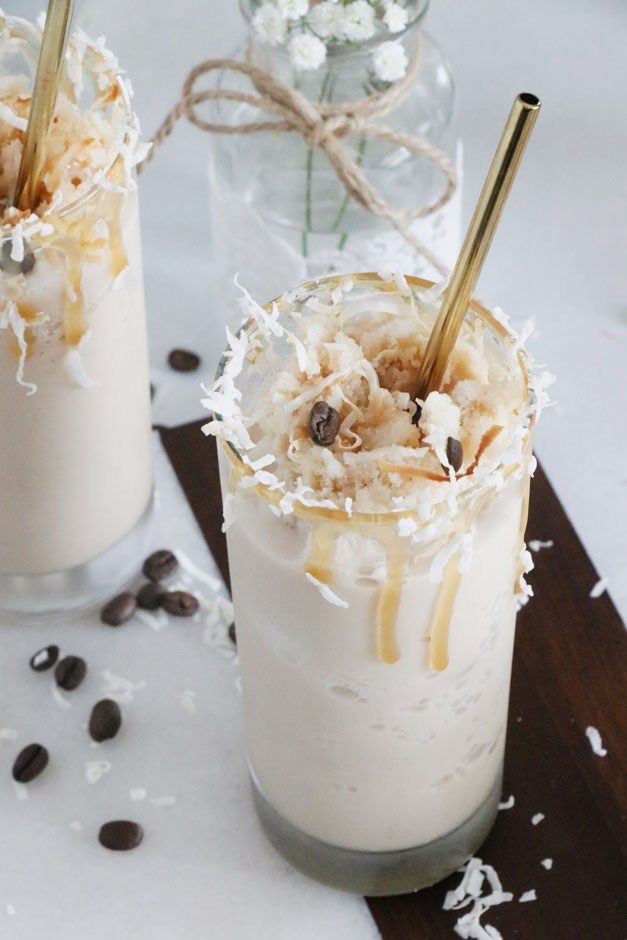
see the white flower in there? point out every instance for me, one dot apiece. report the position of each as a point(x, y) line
point(269, 24)
point(326, 19)
point(358, 21)
point(307, 52)
point(395, 18)
point(390, 61)
point(293, 9)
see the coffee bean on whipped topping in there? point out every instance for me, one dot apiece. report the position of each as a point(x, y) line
point(29, 763)
point(324, 424)
point(105, 720)
point(70, 672)
point(160, 564)
point(9, 266)
point(149, 596)
point(120, 835)
point(416, 418)
point(454, 453)
point(120, 609)
point(183, 360)
point(179, 603)
point(44, 658)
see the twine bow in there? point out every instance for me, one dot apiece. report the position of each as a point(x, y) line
point(324, 126)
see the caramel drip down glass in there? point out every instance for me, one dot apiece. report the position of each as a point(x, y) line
point(375, 731)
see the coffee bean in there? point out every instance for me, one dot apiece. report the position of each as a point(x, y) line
point(454, 453)
point(44, 658)
point(105, 720)
point(70, 672)
point(119, 609)
point(120, 835)
point(324, 424)
point(179, 603)
point(232, 635)
point(29, 763)
point(183, 360)
point(9, 266)
point(416, 418)
point(160, 564)
point(149, 596)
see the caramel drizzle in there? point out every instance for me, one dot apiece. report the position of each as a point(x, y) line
point(408, 470)
point(388, 650)
point(441, 623)
point(324, 542)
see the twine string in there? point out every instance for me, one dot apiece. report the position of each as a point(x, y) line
point(322, 126)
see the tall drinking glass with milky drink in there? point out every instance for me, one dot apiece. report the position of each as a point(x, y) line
point(75, 461)
point(377, 559)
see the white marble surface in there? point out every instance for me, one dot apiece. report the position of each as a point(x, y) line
point(204, 869)
point(559, 257)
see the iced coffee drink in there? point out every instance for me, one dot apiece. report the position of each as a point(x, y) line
point(75, 462)
point(377, 556)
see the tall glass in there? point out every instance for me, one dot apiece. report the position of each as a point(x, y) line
point(375, 724)
point(75, 459)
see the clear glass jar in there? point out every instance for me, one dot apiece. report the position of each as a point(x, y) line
point(375, 717)
point(75, 459)
point(273, 190)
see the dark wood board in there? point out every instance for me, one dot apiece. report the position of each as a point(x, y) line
point(570, 671)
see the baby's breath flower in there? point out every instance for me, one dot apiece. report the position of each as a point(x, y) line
point(307, 52)
point(358, 21)
point(390, 61)
point(269, 24)
point(395, 17)
point(326, 19)
point(293, 9)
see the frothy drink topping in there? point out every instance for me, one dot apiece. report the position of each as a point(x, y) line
point(322, 407)
point(59, 256)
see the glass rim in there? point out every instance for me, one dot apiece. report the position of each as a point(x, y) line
point(347, 48)
point(94, 191)
point(338, 514)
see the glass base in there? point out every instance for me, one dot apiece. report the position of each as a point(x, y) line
point(44, 597)
point(378, 873)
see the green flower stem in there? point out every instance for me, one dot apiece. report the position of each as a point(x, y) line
point(361, 152)
point(326, 92)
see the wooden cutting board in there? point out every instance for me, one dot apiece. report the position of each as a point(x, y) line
point(570, 671)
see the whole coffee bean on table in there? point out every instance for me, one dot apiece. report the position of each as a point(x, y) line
point(120, 835)
point(160, 564)
point(120, 609)
point(44, 658)
point(105, 720)
point(70, 672)
point(183, 360)
point(179, 603)
point(149, 596)
point(29, 763)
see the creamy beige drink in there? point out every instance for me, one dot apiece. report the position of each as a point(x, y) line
point(75, 463)
point(377, 557)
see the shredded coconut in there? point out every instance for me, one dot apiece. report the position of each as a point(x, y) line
point(595, 741)
point(536, 545)
point(326, 592)
point(547, 863)
point(528, 896)
point(535, 820)
point(508, 804)
point(600, 587)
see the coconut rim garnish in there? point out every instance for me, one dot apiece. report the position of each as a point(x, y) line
point(230, 425)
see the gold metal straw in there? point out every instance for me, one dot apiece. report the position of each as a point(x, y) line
point(478, 239)
point(47, 80)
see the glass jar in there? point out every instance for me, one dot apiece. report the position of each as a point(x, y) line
point(375, 706)
point(75, 460)
point(278, 201)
